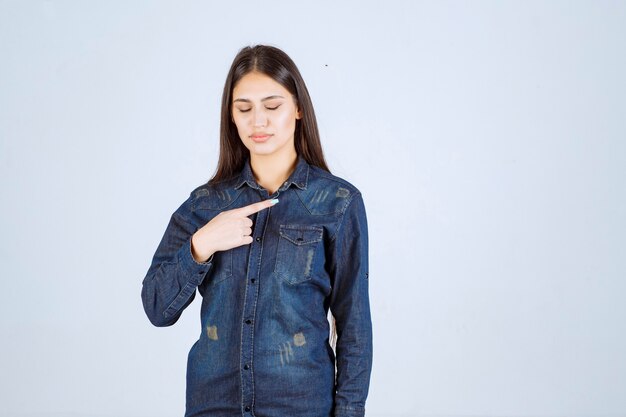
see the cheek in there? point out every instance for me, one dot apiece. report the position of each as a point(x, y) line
point(240, 123)
point(286, 120)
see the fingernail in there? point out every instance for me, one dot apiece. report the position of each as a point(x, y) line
point(274, 201)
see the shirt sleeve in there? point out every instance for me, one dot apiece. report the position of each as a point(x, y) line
point(173, 276)
point(349, 305)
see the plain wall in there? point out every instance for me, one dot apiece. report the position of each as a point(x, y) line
point(487, 137)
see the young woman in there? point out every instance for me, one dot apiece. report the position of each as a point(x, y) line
point(271, 242)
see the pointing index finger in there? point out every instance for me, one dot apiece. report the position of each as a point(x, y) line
point(256, 207)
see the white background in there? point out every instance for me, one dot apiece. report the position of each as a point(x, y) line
point(488, 139)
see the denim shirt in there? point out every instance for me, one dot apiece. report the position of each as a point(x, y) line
point(263, 349)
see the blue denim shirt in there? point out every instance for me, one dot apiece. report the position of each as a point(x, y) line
point(263, 349)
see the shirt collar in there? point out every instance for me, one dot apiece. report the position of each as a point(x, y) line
point(299, 177)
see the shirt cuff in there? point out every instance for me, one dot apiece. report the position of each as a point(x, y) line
point(193, 274)
point(193, 269)
point(349, 412)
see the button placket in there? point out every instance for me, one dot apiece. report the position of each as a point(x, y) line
point(249, 310)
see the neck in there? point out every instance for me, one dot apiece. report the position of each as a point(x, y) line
point(270, 171)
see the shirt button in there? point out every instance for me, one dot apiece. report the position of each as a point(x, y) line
point(252, 280)
point(248, 321)
point(247, 408)
point(246, 366)
point(258, 239)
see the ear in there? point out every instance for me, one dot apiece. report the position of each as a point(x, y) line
point(298, 115)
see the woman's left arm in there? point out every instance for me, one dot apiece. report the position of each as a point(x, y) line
point(349, 305)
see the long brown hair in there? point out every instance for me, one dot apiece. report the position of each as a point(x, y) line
point(276, 64)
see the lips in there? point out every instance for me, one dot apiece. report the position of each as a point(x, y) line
point(260, 137)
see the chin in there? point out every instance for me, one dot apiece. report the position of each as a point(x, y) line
point(261, 150)
point(265, 149)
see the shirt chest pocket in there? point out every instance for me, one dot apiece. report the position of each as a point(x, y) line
point(295, 255)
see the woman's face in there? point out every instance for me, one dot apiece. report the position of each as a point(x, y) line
point(265, 115)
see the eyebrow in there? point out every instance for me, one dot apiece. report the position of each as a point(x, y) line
point(245, 100)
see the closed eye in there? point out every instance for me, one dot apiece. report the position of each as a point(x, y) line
point(268, 108)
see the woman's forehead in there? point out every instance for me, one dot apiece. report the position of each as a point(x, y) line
point(257, 86)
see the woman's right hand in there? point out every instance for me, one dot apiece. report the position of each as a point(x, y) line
point(227, 230)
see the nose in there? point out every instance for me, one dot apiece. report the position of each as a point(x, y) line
point(260, 118)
